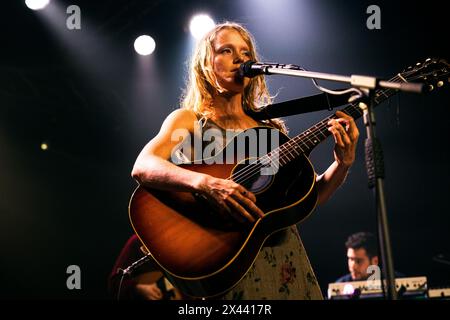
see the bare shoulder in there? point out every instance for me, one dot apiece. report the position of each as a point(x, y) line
point(177, 125)
point(179, 119)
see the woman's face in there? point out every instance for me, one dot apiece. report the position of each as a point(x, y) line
point(230, 51)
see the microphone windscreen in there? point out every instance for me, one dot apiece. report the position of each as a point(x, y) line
point(245, 69)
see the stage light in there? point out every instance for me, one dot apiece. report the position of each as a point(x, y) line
point(44, 146)
point(144, 45)
point(200, 25)
point(349, 289)
point(37, 4)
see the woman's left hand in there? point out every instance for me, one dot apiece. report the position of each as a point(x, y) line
point(345, 133)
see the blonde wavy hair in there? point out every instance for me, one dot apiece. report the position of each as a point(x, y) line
point(202, 83)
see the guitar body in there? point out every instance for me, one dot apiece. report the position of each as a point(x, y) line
point(198, 251)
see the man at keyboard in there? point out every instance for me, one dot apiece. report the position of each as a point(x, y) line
point(362, 252)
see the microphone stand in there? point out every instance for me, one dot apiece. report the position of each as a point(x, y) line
point(374, 154)
point(375, 172)
point(356, 81)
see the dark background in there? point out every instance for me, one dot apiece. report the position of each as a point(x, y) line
point(96, 103)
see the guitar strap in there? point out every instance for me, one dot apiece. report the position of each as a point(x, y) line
point(318, 102)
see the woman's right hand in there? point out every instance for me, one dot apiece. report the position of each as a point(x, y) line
point(230, 198)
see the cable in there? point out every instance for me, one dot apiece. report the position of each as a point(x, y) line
point(121, 282)
point(323, 89)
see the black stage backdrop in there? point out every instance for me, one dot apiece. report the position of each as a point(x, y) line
point(96, 103)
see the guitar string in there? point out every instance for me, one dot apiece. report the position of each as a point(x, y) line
point(248, 172)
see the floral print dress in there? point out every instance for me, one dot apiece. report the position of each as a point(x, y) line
point(281, 272)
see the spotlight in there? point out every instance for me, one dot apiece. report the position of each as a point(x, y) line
point(200, 25)
point(37, 4)
point(44, 146)
point(144, 45)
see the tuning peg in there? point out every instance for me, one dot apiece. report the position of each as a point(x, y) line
point(430, 87)
point(440, 84)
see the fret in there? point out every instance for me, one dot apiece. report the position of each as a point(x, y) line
point(401, 77)
point(307, 136)
point(292, 148)
point(295, 149)
point(286, 154)
point(300, 147)
point(384, 93)
point(376, 100)
point(322, 133)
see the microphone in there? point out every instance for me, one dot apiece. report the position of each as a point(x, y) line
point(251, 69)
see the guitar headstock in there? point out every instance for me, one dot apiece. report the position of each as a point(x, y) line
point(434, 73)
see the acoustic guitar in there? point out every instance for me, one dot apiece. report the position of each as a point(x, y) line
point(202, 255)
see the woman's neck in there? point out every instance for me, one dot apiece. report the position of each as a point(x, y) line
point(228, 106)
